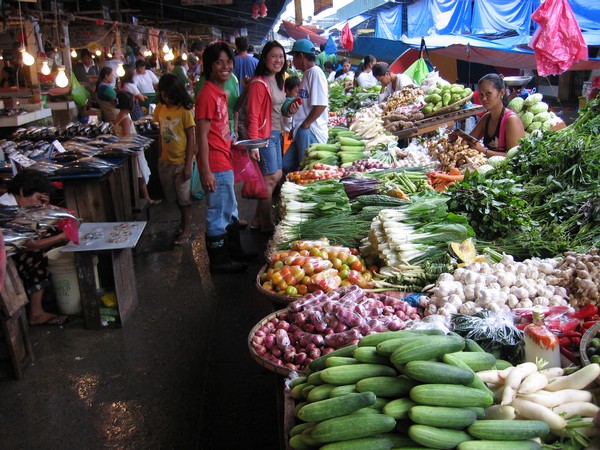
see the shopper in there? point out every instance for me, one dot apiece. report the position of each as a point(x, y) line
point(245, 64)
point(128, 86)
point(346, 72)
point(32, 188)
point(364, 74)
point(178, 148)
point(500, 128)
point(390, 82)
point(310, 122)
point(106, 94)
point(145, 81)
point(214, 159)
point(180, 70)
point(266, 97)
point(329, 71)
point(197, 50)
point(123, 127)
point(86, 71)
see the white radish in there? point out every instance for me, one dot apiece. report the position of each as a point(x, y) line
point(568, 410)
point(490, 376)
point(534, 411)
point(552, 399)
point(533, 383)
point(577, 380)
point(514, 379)
point(498, 412)
point(553, 372)
point(499, 392)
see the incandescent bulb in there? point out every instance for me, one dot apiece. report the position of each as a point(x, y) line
point(73, 53)
point(45, 68)
point(28, 60)
point(169, 56)
point(166, 48)
point(98, 52)
point(61, 79)
point(120, 70)
point(184, 56)
point(109, 55)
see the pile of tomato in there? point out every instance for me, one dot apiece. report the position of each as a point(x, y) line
point(318, 172)
point(310, 266)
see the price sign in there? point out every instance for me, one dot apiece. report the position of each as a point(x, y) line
point(58, 146)
point(22, 160)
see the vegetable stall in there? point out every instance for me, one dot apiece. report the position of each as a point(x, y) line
point(416, 282)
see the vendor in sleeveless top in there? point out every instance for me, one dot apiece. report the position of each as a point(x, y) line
point(500, 128)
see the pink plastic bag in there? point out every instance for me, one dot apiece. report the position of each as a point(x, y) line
point(558, 42)
point(255, 187)
point(243, 169)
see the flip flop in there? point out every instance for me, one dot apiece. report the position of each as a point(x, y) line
point(154, 202)
point(183, 240)
point(53, 321)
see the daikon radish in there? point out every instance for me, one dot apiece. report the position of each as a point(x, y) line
point(533, 383)
point(552, 399)
point(553, 372)
point(514, 379)
point(577, 380)
point(534, 411)
point(498, 412)
point(568, 410)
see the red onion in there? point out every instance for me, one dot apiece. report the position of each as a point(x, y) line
point(270, 326)
point(269, 341)
point(276, 352)
point(314, 353)
point(300, 358)
point(318, 340)
point(311, 345)
point(283, 325)
point(260, 332)
point(291, 366)
point(289, 355)
point(260, 349)
point(257, 339)
point(340, 327)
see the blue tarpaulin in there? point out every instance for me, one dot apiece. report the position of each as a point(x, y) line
point(389, 23)
point(419, 19)
point(587, 14)
point(330, 48)
point(450, 16)
point(499, 16)
point(381, 49)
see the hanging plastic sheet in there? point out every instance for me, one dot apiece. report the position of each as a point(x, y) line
point(347, 40)
point(389, 24)
point(451, 16)
point(558, 42)
point(499, 16)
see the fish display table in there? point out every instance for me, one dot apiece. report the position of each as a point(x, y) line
point(109, 245)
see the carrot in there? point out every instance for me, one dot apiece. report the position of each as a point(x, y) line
point(454, 171)
point(445, 176)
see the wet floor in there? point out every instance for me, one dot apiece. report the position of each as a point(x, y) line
point(177, 375)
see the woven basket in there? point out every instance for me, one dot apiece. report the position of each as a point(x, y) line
point(281, 299)
point(589, 334)
point(269, 365)
point(453, 107)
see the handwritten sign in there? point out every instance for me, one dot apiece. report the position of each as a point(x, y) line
point(58, 146)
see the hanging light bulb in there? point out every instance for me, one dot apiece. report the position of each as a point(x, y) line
point(147, 53)
point(28, 60)
point(98, 52)
point(184, 56)
point(166, 48)
point(120, 70)
point(74, 53)
point(61, 78)
point(109, 55)
point(45, 68)
point(169, 56)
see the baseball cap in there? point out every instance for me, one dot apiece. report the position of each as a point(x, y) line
point(302, 46)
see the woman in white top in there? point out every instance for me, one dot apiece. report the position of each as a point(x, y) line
point(128, 86)
point(390, 81)
point(364, 76)
point(122, 127)
point(345, 73)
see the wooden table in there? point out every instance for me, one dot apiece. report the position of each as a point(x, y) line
point(432, 123)
point(113, 240)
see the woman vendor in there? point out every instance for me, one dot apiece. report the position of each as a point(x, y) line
point(499, 129)
point(32, 188)
point(390, 82)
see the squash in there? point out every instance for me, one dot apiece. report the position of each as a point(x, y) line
point(464, 251)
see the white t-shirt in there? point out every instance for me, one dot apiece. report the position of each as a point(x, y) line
point(131, 88)
point(145, 82)
point(346, 76)
point(331, 76)
point(366, 79)
point(401, 81)
point(314, 91)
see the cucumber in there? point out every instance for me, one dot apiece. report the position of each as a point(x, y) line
point(499, 445)
point(355, 372)
point(476, 361)
point(315, 379)
point(501, 364)
point(368, 443)
point(298, 407)
point(319, 363)
point(476, 383)
point(386, 348)
point(338, 391)
point(306, 390)
point(380, 403)
point(442, 416)
point(479, 412)
point(307, 438)
point(296, 381)
point(452, 395)
point(297, 443)
point(320, 392)
point(367, 410)
point(335, 407)
point(369, 355)
point(425, 349)
point(352, 427)
point(373, 339)
point(300, 428)
point(438, 372)
point(508, 430)
point(398, 408)
point(389, 387)
point(296, 392)
point(399, 440)
point(340, 361)
point(433, 437)
point(472, 346)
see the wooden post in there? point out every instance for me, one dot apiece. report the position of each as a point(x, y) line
point(298, 12)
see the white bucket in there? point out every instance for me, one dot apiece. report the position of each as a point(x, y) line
point(63, 274)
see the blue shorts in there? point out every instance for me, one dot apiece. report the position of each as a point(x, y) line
point(270, 156)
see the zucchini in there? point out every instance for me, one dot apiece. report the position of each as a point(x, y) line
point(438, 372)
point(320, 392)
point(338, 391)
point(297, 443)
point(476, 361)
point(386, 348)
point(352, 427)
point(433, 437)
point(398, 408)
point(315, 379)
point(389, 387)
point(296, 381)
point(508, 430)
point(452, 395)
point(476, 383)
point(424, 349)
point(335, 407)
point(499, 445)
point(340, 361)
point(319, 363)
point(368, 443)
point(442, 416)
point(369, 355)
point(355, 372)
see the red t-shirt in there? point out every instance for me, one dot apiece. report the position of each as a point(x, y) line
point(211, 104)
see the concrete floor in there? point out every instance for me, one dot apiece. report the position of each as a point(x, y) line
point(177, 375)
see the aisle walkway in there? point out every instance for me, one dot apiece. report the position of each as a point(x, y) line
point(178, 375)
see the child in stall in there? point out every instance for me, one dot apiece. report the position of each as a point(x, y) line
point(292, 87)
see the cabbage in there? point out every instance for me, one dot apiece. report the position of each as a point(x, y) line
point(527, 118)
point(538, 108)
point(495, 161)
point(516, 104)
point(534, 126)
point(512, 152)
point(541, 117)
point(532, 100)
point(547, 125)
point(485, 169)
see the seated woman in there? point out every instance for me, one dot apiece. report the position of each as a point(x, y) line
point(499, 128)
point(32, 188)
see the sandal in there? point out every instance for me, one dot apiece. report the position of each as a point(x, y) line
point(183, 240)
point(52, 321)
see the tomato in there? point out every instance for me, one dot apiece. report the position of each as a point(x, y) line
point(332, 255)
point(309, 269)
point(282, 286)
point(289, 260)
point(344, 267)
point(368, 276)
point(344, 274)
point(346, 283)
point(290, 280)
point(305, 280)
point(291, 290)
point(315, 251)
point(324, 255)
point(304, 252)
point(297, 272)
point(278, 265)
point(343, 256)
point(263, 276)
point(276, 278)
point(302, 289)
point(357, 265)
point(285, 271)
point(337, 263)
point(267, 286)
point(351, 259)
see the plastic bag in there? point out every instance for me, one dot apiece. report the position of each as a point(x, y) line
point(79, 93)
point(196, 185)
point(418, 70)
point(255, 188)
point(243, 169)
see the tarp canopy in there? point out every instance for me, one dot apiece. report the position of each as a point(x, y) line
point(353, 22)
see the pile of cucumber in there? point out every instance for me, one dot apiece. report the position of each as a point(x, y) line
point(404, 389)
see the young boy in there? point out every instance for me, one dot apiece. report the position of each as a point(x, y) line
point(214, 161)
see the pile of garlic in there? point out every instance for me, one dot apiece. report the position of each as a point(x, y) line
point(506, 285)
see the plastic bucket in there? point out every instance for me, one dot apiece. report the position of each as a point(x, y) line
point(63, 274)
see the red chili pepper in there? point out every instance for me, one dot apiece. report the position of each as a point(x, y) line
point(569, 326)
point(585, 325)
point(569, 355)
point(573, 334)
point(521, 326)
point(576, 342)
point(587, 311)
point(564, 341)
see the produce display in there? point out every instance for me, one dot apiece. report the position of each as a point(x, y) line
point(534, 113)
point(444, 95)
point(454, 155)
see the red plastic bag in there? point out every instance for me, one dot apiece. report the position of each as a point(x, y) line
point(347, 40)
point(243, 169)
point(255, 187)
point(558, 42)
